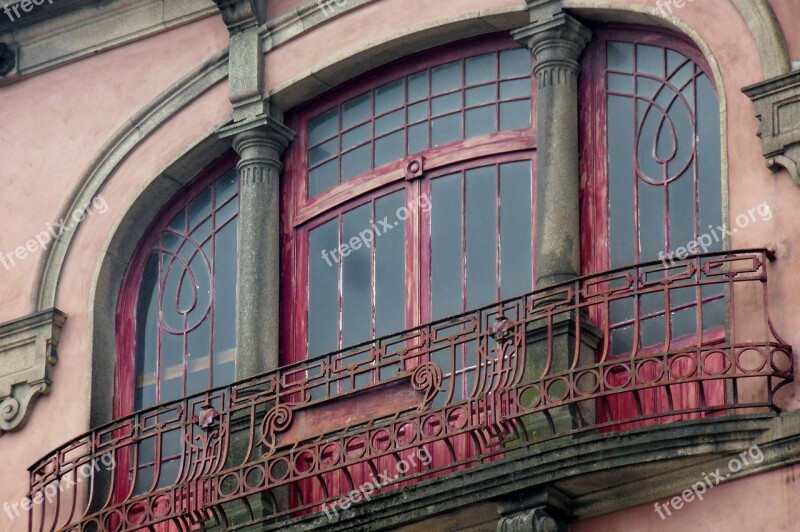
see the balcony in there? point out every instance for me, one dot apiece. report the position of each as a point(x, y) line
point(626, 351)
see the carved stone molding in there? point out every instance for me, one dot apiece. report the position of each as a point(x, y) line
point(246, 52)
point(240, 14)
point(27, 356)
point(777, 103)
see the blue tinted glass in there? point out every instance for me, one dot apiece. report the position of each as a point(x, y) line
point(323, 290)
point(446, 246)
point(515, 63)
point(323, 127)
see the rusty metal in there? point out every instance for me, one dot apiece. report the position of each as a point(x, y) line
point(243, 447)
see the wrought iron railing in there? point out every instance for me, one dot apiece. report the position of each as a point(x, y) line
point(646, 344)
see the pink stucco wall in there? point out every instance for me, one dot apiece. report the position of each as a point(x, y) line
point(787, 12)
point(55, 123)
point(761, 503)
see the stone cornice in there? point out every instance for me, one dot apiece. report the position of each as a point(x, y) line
point(41, 43)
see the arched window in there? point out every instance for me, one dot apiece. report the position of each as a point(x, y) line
point(652, 187)
point(409, 191)
point(177, 314)
point(410, 197)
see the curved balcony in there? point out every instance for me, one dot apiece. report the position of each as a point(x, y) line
point(645, 345)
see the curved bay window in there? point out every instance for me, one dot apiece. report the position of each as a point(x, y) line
point(410, 197)
point(177, 316)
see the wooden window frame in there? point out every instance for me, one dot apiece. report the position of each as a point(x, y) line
point(300, 213)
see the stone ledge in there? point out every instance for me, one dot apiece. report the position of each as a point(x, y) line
point(27, 356)
point(595, 474)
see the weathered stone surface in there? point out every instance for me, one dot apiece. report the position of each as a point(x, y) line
point(575, 478)
point(777, 103)
point(556, 41)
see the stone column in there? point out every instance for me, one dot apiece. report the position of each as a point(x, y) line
point(556, 41)
point(260, 144)
point(259, 136)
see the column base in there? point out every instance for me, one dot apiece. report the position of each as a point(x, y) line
point(557, 338)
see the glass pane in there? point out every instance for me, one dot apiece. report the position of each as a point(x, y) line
point(708, 158)
point(323, 178)
point(418, 138)
point(445, 104)
point(446, 129)
point(417, 86)
point(515, 115)
point(390, 148)
point(323, 288)
point(225, 267)
point(620, 83)
point(390, 96)
point(171, 366)
point(620, 56)
point(446, 77)
point(481, 121)
point(146, 333)
point(389, 122)
point(198, 359)
point(356, 136)
point(515, 63)
point(356, 276)
point(517, 88)
point(323, 152)
point(356, 110)
point(200, 209)
point(481, 68)
point(650, 60)
point(417, 112)
point(681, 203)
point(621, 181)
point(516, 231)
point(482, 94)
point(446, 246)
point(390, 266)
point(356, 162)
point(481, 236)
point(323, 127)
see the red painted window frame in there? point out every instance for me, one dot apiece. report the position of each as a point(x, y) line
point(125, 367)
point(593, 120)
point(297, 210)
point(595, 217)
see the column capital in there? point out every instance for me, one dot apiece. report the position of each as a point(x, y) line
point(559, 39)
point(259, 141)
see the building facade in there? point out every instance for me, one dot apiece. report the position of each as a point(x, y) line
point(399, 265)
